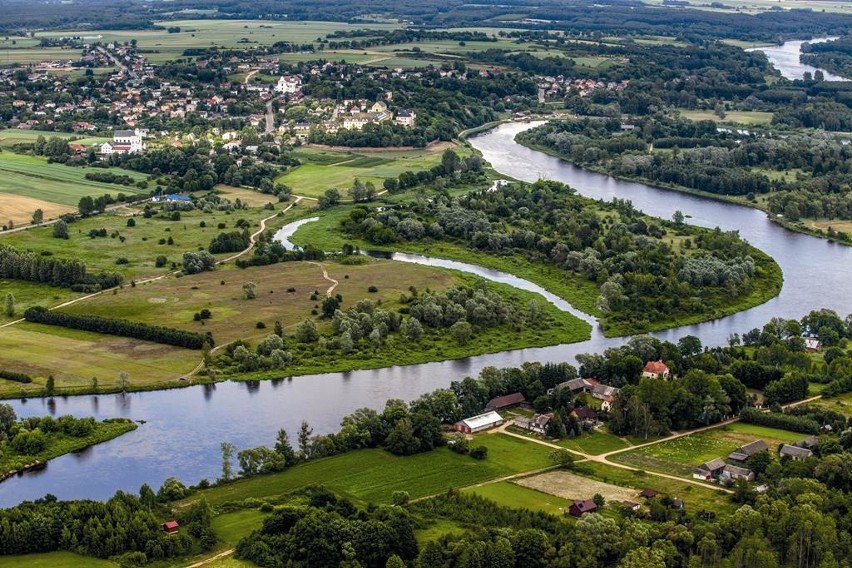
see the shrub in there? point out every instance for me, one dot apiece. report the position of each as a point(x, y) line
point(160, 261)
point(122, 260)
point(372, 289)
point(131, 222)
point(479, 452)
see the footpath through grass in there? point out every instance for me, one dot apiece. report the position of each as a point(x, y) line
point(371, 476)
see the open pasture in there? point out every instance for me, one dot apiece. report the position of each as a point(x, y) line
point(733, 117)
point(11, 137)
point(522, 494)
point(681, 455)
point(371, 476)
point(35, 55)
point(322, 169)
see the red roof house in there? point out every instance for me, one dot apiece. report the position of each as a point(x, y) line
point(655, 370)
point(579, 508)
point(171, 527)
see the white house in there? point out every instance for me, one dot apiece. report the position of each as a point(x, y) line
point(406, 118)
point(288, 84)
point(123, 142)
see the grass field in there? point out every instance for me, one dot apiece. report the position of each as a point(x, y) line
point(54, 560)
point(733, 117)
point(570, 486)
point(595, 443)
point(29, 183)
point(324, 169)
point(28, 294)
point(32, 55)
point(682, 455)
point(9, 138)
point(841, 403)
point(373, 475)
point(518, 495)
point(76, 357)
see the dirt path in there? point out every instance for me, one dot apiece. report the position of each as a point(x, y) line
point(212, 559)
point(250, 75)
point(327, 277)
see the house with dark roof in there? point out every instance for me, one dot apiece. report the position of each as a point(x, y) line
point(606, 394)
point(795, 452)
point(506, 401)
point(537, 424)
point(810, 442)
point(733, 472)
point(575, 386)
point(709, 470)
point(585, 414)
point(580, 508)
point(742, 453)
point(648, 493)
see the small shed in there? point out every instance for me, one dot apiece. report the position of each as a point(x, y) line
point(478, 423)
point(579, 508)
point(171, 527)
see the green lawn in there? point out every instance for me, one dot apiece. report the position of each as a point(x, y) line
point(231, 527)
point(508, 494)
point(682, 455)
point(54, 560)
point(733, 117)
point(11, 137)
point(436, 529)
point(596, 443)
point(371, 476)
point(28, 294)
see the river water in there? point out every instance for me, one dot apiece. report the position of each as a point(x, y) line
point(785, 58)
point(184, 428)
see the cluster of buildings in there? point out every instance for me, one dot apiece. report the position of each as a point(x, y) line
point(124, 142)
point(719, 470)
point(560, 86)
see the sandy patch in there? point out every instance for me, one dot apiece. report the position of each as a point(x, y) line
point(570, 486)
point(156, 300)
point(19, 209)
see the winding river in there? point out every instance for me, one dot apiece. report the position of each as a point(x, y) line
point(785, 58)
point(183, 428)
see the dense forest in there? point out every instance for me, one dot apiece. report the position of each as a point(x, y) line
point(648, 271)
point(803, 175)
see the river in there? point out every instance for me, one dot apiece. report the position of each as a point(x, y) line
point(785, 58)
point(184, 428)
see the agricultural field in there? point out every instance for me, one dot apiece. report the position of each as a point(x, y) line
point(680, 456)
point(76, 357)
point(523, 494)
point(570, 486)
point(10, 137)
point(732, 117)
point(323, 169)
point(758, 6)
point(29, 183)
point(371, 476)
point(35, 55)
point(694, 496)
point(841, 403)
point(54, 560)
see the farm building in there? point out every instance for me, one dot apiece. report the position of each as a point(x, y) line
point(171, 527)
point(633, 506)
point(810, 442)
point(606, 394)
point(742, 453)
point(655, 370)
point(507, 401)
point(709, 470)
point(479, 423)
point(538, 423)
point(795, 452)
point(171, 198)
point(575, 386)
point(732, 473)
point(579, 508)
point(648, 493)
point(585, 414)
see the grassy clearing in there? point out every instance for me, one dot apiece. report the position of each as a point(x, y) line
point(323, 169)
point(594, 444)
point(54, 560)
point(141, 245)
point(9, 138)
point(28, 294)
point(32, 55)
point(76, 357)
point(231, 527)
point(521, 496)
point(733, 117)
point(59, 444)
point(695, 496)
point(682, 455)
point(33, 177)
point(841, 403)
point(570, 486)
point(436, 529)
point(373, 475)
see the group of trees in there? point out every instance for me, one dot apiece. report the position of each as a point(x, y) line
point(235, 241)
point(641, 276)
point(17, 264)
point(124, 328)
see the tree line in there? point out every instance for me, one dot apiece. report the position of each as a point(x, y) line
point(124, 328)
point(17, 264)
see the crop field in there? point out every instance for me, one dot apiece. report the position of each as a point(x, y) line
point(32, 55)
point(141, 244)
point(682, 455)
point(76, 357)
point(33, 180)
point(323, 169)
point(757, 6)
point(694, 496)
point(523, 495)
point(733, 117)
point(373, 475)
point(11, 137)
point(173, 301)
point(570, 486)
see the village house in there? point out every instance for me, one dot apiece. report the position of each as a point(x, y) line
point(585, 414)
point(794, 452)
point(123, 142)
point(575, 386)
point(812, 344)
point(648, 493)
point(478, 423)
point(537, 424)
point(506, 401)
point(742, 453)
point(709, 470)
point(733, 472)
point(579, 508)
point(655, 370)
point(406, 118)
point(606, 394)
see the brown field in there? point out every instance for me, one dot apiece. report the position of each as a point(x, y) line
point(19, 209)
point(570, 486)
point(250, 196)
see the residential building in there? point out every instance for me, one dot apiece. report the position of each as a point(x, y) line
point(606, 394)
point(794, 452)
point(579, 508)
point(585, 414)
point(655, 370)
point(537, 424)
point(733, 472)
point(741, 454)
point(709, 470)
point(288, 84)
point(406, 118)
point(478, 423)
